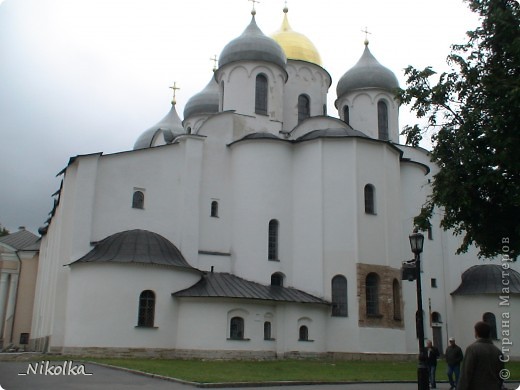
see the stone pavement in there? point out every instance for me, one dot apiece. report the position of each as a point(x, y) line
point(39, 378)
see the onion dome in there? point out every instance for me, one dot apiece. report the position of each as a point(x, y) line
point(295, 45)
point(204, 102)
point(367, 73)
point(170, 126)
point(253, 45)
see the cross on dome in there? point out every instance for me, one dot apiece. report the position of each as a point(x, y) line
point(214, 60)
point(253, 12)
point(366, 35)
point(174, 88)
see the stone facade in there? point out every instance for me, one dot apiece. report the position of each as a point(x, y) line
point(389, 316)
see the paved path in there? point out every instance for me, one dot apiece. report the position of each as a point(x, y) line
point(113, 379)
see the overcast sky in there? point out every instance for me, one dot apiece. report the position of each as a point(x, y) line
point(87, 76)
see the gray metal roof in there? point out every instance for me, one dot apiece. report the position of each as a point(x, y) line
point(225, 285)
point(22, 240)
point(332, 133)
point(169, 126)
point(135, 246)
point(367, 73)
point(488, 279)
point(253, 45)
point(204, 102)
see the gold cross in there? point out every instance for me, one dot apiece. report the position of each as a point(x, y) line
point(174, 88)
point(366, 34)
point(215, 60)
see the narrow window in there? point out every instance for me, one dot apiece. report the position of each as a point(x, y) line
point(273, 240)
point(277, 279)
point(346, 115)
point(138, 200)
point(370, 207)
point(324, 109)
point(221, 102)
point(434, 283)
point(430, 233)
point(236, 329)
point(490, 319)
point(397, 300)
point(303, 333)
point(214, 209)
point(267, 330)
point(304, 109)
point(382, 120)
point(339, 296)
point(261, 94)
point(146, 309)
point(436, 318)
point(372, 294)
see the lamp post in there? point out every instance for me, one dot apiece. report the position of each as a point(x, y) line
point(416, 243)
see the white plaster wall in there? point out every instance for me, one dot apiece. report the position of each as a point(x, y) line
point(304, 78)
point(239, 87)
point(363, 111)
point(104, 300)
point(469, 309)
point(261, 192)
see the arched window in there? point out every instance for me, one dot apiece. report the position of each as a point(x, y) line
point(236, 328)
point(146, 311)
point(490, 319)
point(138, 200)
point(273, 240)
point(214, 209)
point(370, 199)
point(267, 330)
point(261, 94)
point(397, 300)
point(303, 334)
point(304, 107)
point(277, 279)
point(436, 317)
point(221, 100)
point(372, 294)
point(346, 115)
point(324, 109)
point(339, 296)
point(382, 120)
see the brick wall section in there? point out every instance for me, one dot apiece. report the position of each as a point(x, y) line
point(387, 275)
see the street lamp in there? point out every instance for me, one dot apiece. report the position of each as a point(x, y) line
point(416, 243)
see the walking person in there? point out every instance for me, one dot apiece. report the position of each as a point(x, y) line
point(483, 361)
point(432, 354)
point(454, 357)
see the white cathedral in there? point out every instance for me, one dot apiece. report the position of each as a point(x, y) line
point(259, 226)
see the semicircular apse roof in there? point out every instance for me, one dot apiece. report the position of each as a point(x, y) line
point(487, 279)
point(135, 246)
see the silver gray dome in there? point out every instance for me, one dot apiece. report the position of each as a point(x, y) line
point(204, 102)
point(253, 45)
point(367, 73)
point(170, 126)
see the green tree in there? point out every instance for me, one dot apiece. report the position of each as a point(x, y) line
point(473, 112)
point(3, 231)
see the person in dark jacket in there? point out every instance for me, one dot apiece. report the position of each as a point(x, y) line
point(482, 364)
point(454, 357)
point(432, 354)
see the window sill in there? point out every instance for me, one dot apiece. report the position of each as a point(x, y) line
point(146, 327)
point(374, 316)
point(232, 339)
point(277, 260)
point(306, 341)
point(269, 339)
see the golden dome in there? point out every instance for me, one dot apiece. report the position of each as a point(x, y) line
point(295, 45)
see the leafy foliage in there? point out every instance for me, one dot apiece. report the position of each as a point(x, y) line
point(473, 112)
point(3, 231)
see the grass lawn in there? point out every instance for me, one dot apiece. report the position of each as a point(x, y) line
point(203, 371)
